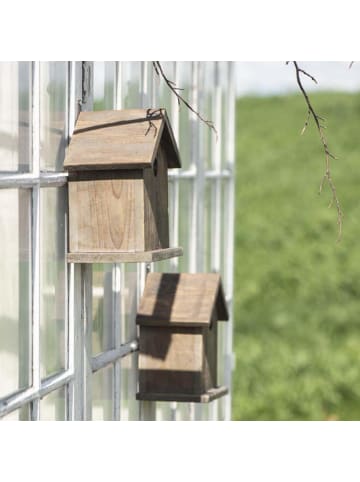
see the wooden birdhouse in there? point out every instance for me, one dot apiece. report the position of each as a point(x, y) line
point(178, 316)
point(118, 186)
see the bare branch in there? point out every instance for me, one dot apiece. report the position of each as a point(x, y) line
point(327, 175)
point(308, 75)
point(351, 64)
point(174, 89)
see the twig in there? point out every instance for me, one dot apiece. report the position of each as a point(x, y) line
point(327, 175)
point(174, 89)
point(149, 115)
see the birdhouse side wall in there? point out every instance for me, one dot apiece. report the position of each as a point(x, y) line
point(106, 211)
point(156, 204)
point(171, 360)
point(210, 356)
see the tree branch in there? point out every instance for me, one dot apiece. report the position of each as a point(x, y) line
point(327, 175)
point(174, 89)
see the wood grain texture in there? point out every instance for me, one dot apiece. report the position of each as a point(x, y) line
point(181, 299)
point(125, 257)
point(156, 214)
point(171, 360)
point(210, 356)
point(120, 139)
point(106, 215)
point(177, 359)
point(205, 397)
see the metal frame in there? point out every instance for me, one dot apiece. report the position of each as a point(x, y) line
point(81, 364)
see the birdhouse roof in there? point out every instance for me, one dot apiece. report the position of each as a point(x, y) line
point(119, 139)
point(185, 299)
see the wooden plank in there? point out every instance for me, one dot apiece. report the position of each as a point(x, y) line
point(114, 137)
point(125, 257)
point(171, 360)
point(210, 355)
point(120, 138)
point(156, 222)
point(205, 397)
point(176, 299)
point(106, 215)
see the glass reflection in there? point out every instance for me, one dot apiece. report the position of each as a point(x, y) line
point(102, 392)
point(15, 116)
point(53, 113)
point(15, 300)
point(52, 407)
point(53, 279)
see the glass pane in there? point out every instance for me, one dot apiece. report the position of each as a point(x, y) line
point(185, 215)
point(15, 116)
point(53, 113)
point(165, 93)
point(22, 414)
point(53, 279)
point(131, 75)
point(53, 406)
point(185, 123)
point(102, 391)
point(208, 111)
point(103, 302)
point(104, 85)
point(129, 406)
point(208, 227)
point(15, 299)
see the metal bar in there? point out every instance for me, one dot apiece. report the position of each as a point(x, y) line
point(86, 277)
point(35, 312)
point(116, 316)
point(116, 280)
point(22, 397)
point(86, 319)
point(17, 400)
point(194, 129)
point(144, 406)
point(58, 179)
point(174, 116)
point(74, 80)
point(118, 86)
point(75, 387)
point(53, 179)
point(101, 361)
point(76, 347)
point(230, 220)
point(216, 164)
point(54, 382)
point(197, 228)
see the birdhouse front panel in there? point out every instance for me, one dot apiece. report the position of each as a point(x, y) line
point(118, 181)
point(171, 360)
point(106, 212)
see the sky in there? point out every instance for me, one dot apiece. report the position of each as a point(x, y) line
point(275, 78)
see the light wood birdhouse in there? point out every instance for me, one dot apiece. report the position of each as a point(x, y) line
point(178, 316)
point(118, 186)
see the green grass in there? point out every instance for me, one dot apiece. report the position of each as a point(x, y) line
point(297, 292)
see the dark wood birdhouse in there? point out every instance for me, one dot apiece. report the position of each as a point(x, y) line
point(118, 186)
point(178, 317)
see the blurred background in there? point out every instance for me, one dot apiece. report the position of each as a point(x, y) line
point(297, 291)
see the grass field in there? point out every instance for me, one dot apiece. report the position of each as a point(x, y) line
point(297, 292)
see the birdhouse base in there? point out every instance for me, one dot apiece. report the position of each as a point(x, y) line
point(125, 257)
point(205, 397)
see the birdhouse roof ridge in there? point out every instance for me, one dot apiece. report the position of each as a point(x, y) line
point(121, 139)
point(185, 299)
